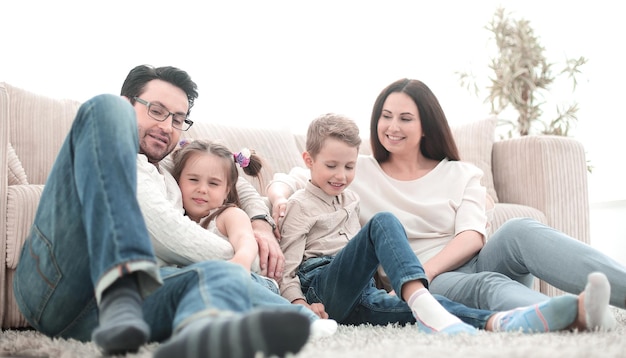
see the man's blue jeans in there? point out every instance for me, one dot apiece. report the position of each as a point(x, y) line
point(345, 285)
point(89, 231)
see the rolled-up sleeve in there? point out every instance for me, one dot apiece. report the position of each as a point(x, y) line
point(471, 214)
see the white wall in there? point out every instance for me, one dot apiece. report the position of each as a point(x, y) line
point(280, 63)
point(608, 233)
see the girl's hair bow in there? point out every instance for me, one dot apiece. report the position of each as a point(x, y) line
point(243, 157)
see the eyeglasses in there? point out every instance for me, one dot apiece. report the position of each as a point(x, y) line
point(159, 113)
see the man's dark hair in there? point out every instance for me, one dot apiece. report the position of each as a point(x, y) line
point(138, 77)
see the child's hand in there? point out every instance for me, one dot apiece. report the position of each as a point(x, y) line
point(317, 308)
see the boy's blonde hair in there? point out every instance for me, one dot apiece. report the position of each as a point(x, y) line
point(331, 125)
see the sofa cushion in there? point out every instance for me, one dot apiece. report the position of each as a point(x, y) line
point(13, 318)
point(22, 202)
point(503, 212)
point(16, 174)
point(475, 143)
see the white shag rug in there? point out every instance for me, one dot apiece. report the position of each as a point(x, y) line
point(370, 341)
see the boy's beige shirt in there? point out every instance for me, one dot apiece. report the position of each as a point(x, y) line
point(315, 225)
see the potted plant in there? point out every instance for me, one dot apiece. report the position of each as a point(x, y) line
point(521, 78)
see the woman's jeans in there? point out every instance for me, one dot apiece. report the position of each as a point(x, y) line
point(344, 283)
point(500, 277)
point(89, 231)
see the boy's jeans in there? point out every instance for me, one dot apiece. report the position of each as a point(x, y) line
point(345, 285)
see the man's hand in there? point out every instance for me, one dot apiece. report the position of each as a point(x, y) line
point(271, 257)
point(317, 308)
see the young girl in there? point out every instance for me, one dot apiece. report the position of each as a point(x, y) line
point(206, 173)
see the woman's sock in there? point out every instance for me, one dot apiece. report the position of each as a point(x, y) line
point(597, 295)
point(554, 314)
point(121, 326)
point(274, 333)
point(431, 317)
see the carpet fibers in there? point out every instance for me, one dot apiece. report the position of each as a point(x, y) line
point(370, 341)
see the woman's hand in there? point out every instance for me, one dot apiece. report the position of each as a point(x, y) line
point(277, 194)
point(455, 254)
point(430, 272)
point(279, 206)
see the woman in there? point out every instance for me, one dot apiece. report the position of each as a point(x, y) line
point(415, 173)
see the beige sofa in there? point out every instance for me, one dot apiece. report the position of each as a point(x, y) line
point(540, 177)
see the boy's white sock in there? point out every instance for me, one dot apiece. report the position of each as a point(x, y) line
point(323, 328)
point(597, 295)
point(429, 312)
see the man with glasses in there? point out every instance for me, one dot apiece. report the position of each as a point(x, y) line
point(88, 269)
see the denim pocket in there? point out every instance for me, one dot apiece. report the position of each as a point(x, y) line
point(312, 264)
point(308, 271)
point(311, 296)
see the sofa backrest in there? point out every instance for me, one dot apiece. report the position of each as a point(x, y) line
point(37, 126)
point(277, 147)
point(34, 127)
